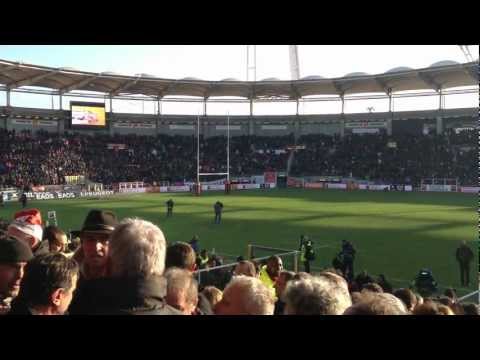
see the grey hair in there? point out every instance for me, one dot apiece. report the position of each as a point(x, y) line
point(326, 294)
point(181, 281)
point(257, 298)
point(137, 248)
point(372, 303)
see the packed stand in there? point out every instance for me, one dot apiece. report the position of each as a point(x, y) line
point(400, 158)
point(45, 159)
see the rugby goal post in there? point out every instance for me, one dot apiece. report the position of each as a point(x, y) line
point(197, 187)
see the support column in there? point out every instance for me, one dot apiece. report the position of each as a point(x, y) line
point(205, 107)
point(390, 113)
point(251, 130)
point(60, 99)
point(110, 120)
point(439, 127)
point(439, 124)
point(297, 123)
point(250, 126)
point(159, 115)
point(8, 97)
point(342, 120)
point(390, 101)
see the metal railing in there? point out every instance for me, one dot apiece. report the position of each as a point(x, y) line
point(290, 252)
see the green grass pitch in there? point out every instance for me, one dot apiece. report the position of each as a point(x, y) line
point(394, 233)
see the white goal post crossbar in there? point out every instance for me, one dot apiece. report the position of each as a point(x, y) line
point(213, 174)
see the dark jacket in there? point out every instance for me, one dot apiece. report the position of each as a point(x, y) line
point(126, 296)
point(464, 254)
point(218, 207)
point(279, 308)
point(19, 308)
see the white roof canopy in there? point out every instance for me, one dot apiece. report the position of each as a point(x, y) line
point(441, 75)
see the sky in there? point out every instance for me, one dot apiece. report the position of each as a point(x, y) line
point(216, 62)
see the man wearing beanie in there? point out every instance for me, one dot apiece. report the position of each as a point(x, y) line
point(27, 227)
point(14, 255)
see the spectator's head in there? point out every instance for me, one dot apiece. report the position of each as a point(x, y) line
point(372, 303)
point(27, 227)
point(94, 236)
point(372, 287)
point(48, 284)
point(180, 255)
point(246, 268)
point(356, 297)
point(451, 293)
point(213, 295)
point(274, 266)
point(14, 255)
point(445, 300)
point(302, 275)
point(246, 295)
point(326, 294)
point(75, 244)
point(445, 310)
point(182, 291)
point(471, 309)
point(408, 298)
point(57, 239)
point(419, 299)
point(429, 307)
point(281, 283)
point(204, 253)
point(137, 249)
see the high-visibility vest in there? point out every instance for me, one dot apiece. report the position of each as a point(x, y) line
point(267, 280)
point(204, 260)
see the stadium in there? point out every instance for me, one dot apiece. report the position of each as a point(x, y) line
point(398, 185)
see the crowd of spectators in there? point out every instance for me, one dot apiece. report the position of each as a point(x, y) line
point(127, 268)
point(400, 158)
point(45, 158)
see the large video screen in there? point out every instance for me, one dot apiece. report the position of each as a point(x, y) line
point(88, 115)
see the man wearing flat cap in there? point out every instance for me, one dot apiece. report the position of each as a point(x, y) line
point(14, 255)
point(94, 237)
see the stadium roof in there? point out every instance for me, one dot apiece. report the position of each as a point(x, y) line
point(440, 75)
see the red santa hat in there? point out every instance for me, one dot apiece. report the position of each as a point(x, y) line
point(27, 226)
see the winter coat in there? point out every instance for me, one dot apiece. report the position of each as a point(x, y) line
point(122, 296)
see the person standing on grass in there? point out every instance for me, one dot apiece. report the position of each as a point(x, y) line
point(23, 200)
point(307, 253)
point(169, 207)
point(218, 207)
point(464, 256)
point(348, 257)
